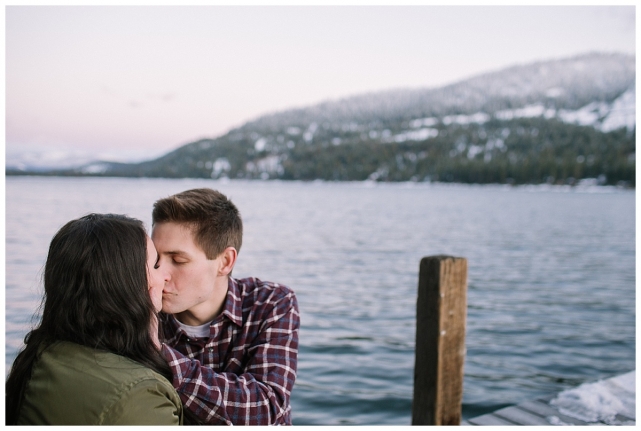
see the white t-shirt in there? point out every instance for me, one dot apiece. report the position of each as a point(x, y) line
point(195, 331)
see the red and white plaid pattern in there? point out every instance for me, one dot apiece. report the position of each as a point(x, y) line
point(243, 374)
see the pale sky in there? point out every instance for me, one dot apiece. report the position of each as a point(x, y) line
point(132, 83)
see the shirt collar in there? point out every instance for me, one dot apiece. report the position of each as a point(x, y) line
point(170, 328)
point(233, 303)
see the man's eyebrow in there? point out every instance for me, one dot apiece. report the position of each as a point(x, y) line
point(176, 253)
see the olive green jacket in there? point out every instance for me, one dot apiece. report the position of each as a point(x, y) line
point(76, 385)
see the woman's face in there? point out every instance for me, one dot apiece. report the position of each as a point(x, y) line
point(156, 276)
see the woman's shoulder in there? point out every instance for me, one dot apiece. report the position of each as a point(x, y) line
point(89, 386)
point(68, 351)
point(101, 363)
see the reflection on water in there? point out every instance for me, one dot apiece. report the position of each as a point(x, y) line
point(551, 279)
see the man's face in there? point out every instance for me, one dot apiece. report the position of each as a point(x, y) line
point(191, 292)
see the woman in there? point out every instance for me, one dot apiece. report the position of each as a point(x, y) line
point(94, 358)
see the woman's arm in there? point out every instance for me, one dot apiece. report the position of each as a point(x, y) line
point(149, 402)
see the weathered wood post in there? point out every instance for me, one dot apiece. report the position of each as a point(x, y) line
point(441, 310)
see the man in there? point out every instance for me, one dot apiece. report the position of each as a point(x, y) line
point(232, 344)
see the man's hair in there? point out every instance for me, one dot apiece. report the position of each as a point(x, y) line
point(213, 219)
point(95, 294)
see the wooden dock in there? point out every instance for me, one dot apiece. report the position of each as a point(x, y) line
point(441, 312)
point(606, 402)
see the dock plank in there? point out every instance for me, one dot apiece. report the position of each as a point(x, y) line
point(569, 407)
point(542, 408)
point(489, 419)
point(521, 417)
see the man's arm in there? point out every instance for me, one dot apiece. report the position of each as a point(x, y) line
point(258, 396)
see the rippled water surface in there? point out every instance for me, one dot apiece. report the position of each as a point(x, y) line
point(551, 300)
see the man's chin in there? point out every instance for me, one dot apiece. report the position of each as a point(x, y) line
point(166, 308)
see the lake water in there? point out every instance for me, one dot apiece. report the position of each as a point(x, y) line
point(551, 291)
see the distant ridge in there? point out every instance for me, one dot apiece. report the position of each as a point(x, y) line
point(557, 121)
point(574, 83)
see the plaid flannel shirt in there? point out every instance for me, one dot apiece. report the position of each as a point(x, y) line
point(243, 374)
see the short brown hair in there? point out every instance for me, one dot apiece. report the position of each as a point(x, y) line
point(213, 219)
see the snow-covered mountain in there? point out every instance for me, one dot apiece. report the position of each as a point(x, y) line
point(40, 159)
point(557, 120)
point(569, 87)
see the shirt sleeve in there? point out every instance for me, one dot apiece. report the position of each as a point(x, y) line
point(258, 396)
point(149, 402)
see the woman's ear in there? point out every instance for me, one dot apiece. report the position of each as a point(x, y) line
point(227, 261)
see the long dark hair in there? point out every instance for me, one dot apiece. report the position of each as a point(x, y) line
point(95, 283)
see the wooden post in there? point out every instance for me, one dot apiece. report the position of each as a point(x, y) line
point(440, 341)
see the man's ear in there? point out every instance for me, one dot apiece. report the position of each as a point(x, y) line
point(227, 261)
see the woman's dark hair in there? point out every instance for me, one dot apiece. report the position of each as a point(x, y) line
point(96, 294)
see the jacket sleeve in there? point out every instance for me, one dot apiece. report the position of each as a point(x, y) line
point(148, 402)
point(258, 396)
